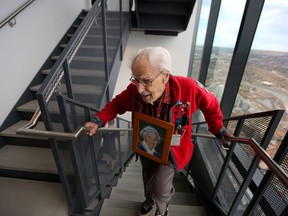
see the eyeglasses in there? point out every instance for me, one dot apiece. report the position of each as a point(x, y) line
point(144, 82)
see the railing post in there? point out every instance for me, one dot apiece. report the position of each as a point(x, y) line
point(94, 162)
point(68, 79)
point(121, 29)
point(104, 34)
point(55, 150)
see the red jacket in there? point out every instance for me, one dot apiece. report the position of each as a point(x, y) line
point(188, 96)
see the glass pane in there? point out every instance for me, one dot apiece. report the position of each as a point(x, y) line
point(228, 24)
point(203, 21)
point(265, 80)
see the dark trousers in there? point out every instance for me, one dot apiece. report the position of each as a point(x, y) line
point(158, 183)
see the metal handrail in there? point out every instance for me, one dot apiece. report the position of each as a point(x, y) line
point(15, 13)
point(69, 51)
point(264, 156)
point(62, 135)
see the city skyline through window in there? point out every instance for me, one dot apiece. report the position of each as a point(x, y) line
point(265, 79)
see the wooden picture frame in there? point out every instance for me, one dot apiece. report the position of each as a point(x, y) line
point(152, 137)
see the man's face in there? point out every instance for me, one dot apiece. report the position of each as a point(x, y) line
point(143, 71)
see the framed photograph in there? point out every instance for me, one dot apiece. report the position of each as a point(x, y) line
point(152, 137)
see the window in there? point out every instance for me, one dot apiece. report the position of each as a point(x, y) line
point(205, 10)
point(265, 80)
point(223, 46)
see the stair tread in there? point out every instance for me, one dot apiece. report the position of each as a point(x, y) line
point(26, 158)
point(32, 105)
point(82, 72)
point(29, 106)
point(98, 36)
point(86, 46)
point(135, 179)
point(77, 88)
point(11, 131)
point(86, 58)
point(121, 207)
point(179, 198)
point(29, 197)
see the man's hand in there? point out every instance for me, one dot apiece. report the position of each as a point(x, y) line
point(224, 135)
point(225, 140)
point(92, 127)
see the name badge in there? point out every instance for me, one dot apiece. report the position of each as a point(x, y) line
point(175, 140)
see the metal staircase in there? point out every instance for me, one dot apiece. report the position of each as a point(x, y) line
point(32, 167)
point(29, 178)
point(128, 194)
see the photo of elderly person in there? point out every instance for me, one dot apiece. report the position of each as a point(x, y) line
point(149, 140)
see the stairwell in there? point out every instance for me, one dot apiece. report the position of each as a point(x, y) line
point(29, 179)
point(128, 194)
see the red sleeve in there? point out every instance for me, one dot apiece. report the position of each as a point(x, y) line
point(208, 104)
point(119, 105)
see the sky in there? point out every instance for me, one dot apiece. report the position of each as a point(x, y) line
point(272, 30)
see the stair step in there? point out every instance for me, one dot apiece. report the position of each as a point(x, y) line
point(130, 208)
point(29, 197)
point(133, 170)
point(77, 89)
point(30, 106)
point(26, 158)
point(135, 163)
point(137, 183)
point(86, 58)
point(11, 131)
point(99, 26)
point(97, 47)
point(82, 72)
point(117, 37)
point(179, 198)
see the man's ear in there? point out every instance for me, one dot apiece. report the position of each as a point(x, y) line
point(166, 76)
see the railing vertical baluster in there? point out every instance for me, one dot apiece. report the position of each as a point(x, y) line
point(94, 162)
point(81, 197)
point(223, 170)
point(227, 159)
point(104, 34)
point(121, 29)
point(68, 79)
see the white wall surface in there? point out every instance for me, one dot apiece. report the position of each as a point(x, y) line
point(24, 49)
point(179, 48)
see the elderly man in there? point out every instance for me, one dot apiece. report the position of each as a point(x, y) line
point(155, 92)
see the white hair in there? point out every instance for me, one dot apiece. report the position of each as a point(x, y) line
point(157, 56)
